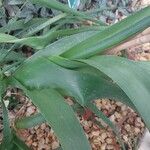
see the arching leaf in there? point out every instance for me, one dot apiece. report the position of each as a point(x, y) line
point(132, 78)
point(111, 36)
point(41, 72)
point(61, 118)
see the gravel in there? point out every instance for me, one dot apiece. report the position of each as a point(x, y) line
point(42, 137)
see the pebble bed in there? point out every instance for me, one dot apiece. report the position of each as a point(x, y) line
point(42, 137)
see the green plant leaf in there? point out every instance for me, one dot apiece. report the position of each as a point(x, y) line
point(46, 23)
point(1, 86)
point(111, 36)
point(62, 45)
point(55, 5)
point(132, 78)
point(12, 56)
point(68, 32)
point(62, 7)
point(28, 122)
point(83, 86)
point(61, 118)
point(39, 42)
point(20, 145)
point(90, 86)
point(7, 139)
point(20, 24)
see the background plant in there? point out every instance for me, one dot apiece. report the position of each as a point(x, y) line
point(70, 62)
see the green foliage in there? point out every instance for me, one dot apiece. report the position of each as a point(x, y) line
point(127, 72)
point(69, 62)
point(62, 118)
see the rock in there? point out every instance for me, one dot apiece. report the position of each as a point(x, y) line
point(110, 147)
point(109, 140)
point(137, 130)
point(119, 103)
point(125, 138)
point(112, 118)
point(55, 145)
point(103, 146)
point(34, 144)
point(43, 126)
point(29, 143)
point(117, 115)
point(127, 127)
point(30, 111)
point(104, 135)
point(41, 146)
point(96, 141)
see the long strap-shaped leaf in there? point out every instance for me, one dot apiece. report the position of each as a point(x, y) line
point(1, 86)
point(18, 143)
point(80, 84)
point(62, 45)
point(7, 134)
point(20, 24)
point(7, 139)
point(42, 73)
point(61, 118)
point(112, 36)
point(56, 5)
point(39, 42)
point(12, 56)
point(132, 78)
point(59, 6)
point(46, 23)
point(29, 122)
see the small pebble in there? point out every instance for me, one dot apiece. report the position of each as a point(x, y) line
point(127, 127)
point(125, 138)
point(34, 144)
point(110, 147)
point(103, 136)
point(55, 145)
point(109, 140)
point(30, 111)
point(103, 146)
point(137, 130)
